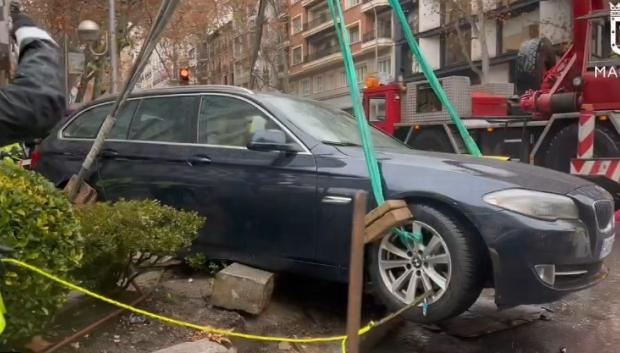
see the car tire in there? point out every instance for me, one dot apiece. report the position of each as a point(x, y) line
point(562, 146)
point(535, 58)
point(465, 274)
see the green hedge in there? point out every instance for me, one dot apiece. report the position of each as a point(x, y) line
point(38, 222)
point(123, 236)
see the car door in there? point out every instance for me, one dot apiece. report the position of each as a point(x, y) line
point(150, 162)
point(260, 206)
point(63, 156)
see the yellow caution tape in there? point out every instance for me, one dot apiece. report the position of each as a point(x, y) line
point(343, 339)
point(501, 158)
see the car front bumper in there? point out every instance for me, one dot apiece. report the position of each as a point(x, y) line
point(536, 261)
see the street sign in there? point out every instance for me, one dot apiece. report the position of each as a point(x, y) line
point(76, 63)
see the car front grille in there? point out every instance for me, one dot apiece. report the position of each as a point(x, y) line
point(604, 212)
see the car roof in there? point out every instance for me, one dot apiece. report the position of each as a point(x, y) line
point(173, 90)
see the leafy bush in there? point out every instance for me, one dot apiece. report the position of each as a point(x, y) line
point(122, 236)
point(38, 222)
point(199, 262)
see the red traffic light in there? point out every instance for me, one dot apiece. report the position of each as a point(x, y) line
point(184, 75)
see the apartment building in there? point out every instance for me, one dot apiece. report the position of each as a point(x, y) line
point(215, 64)
point(316, 68)
point(509, 23)
point(224, 56)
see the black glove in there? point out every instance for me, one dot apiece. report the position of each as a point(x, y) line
point(19, 18)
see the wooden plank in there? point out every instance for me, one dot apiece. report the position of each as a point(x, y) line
point(382, 226)
point(380, 211)
point(356, 274)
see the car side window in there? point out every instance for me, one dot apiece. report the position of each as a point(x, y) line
point(166, 119)
point(87, 124)
point(228, 121)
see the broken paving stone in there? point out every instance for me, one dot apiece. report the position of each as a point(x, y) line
point(202, 346)
point(240, 287)
point(136, 319)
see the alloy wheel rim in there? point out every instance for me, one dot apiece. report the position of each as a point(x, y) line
point(411, 270)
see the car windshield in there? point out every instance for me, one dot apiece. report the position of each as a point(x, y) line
point(328, 125)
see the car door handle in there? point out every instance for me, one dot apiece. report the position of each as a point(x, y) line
point(198, 160)
point(336, 200)
point(108, 153)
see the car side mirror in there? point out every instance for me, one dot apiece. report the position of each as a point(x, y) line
point(270, 140)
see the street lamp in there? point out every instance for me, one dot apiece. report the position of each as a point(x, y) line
point(89, 32)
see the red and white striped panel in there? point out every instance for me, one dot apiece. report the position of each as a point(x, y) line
point(585, 149)
point(609, 168)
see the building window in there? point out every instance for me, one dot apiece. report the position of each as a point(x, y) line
point(519, 29)
point(384, 25)
point(297, 56)
point(306, 90)
point(361, 71)
point(318, 84)
point(296, 24)
point(354, 33)
point(455, 48)
point(342, 82)
point(351, 3)
point(294, 88)
point(377, 109)
point(426, 100)
point(385, 66)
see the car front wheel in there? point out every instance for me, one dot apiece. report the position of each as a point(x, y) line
point(450, 262)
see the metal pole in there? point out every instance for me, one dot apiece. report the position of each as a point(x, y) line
point(113, 47)
point(66, 55)
point(376, 42)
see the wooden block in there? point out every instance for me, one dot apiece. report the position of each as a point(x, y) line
point(382, 226)
point(380, 211)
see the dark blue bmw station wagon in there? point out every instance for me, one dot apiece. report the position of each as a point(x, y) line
point(274, 175)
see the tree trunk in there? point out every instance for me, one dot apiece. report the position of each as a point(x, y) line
point(484, 48)
point(97, 83)
point(464, 50)
point(260, 19)
point(85, 77)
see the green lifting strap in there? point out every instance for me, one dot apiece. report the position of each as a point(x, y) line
point(470, 144)
point(372, 164)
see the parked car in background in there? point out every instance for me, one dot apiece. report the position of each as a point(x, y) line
point(275, 175)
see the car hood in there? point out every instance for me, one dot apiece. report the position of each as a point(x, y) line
point(498, 174)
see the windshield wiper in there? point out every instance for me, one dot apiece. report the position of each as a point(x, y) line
point(341, 143)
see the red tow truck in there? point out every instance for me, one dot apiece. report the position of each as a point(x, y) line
point(562, 114)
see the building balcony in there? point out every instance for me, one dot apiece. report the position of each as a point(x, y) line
point(368, 5)
point(321, 23)
point(307, 3)
point(381, 38)
point(319, 54)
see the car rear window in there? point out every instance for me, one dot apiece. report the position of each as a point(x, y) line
point(87, 124)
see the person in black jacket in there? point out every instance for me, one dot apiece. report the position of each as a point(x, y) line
point(34, 101)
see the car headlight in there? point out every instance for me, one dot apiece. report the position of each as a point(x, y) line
point(536, 204)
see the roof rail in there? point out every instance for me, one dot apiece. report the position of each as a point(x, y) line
point(234, 88)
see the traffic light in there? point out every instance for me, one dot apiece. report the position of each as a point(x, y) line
point(184, 76)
